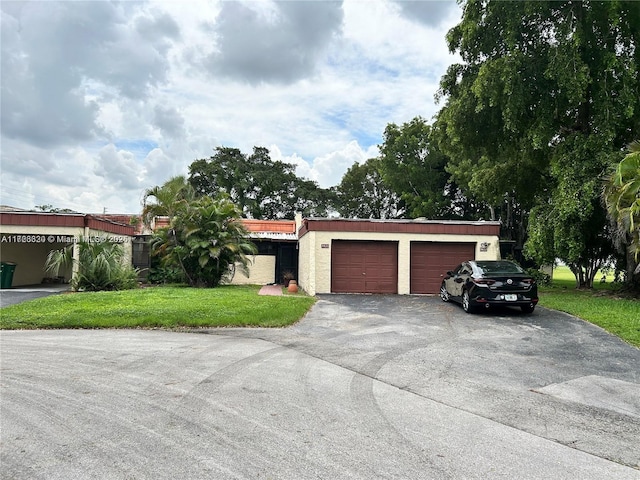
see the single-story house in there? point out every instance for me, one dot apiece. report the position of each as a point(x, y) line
point(338, 255)
point(325, 255)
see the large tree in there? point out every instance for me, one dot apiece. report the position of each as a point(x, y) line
point(261, 187)
point(546, 97)
point(363, 194)
point(413, 166)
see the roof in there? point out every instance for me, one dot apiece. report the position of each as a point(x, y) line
point(10, 209)
point(274, 226)
point(134, 220)
point(77, 220)
point(420, 226)
point(271, 229)
point(258, 229)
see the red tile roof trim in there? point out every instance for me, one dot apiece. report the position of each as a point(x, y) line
point(274, 226)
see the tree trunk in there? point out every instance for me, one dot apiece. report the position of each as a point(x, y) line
point(584, 274)
point(633, 269)
point(631, 262)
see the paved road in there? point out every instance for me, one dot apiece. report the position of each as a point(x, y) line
point(364, 387)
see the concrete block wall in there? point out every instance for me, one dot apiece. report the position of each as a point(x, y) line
point(262, 271)
point(315, 254)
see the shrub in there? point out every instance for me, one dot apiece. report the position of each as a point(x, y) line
point(541, 277)
point(101, 266)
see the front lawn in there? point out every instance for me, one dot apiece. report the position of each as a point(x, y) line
point(241, 306)
point(162, 307)
point(603, 306)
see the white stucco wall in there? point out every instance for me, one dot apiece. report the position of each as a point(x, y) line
point(315, 254)
point(307, 263)
point(262, 270)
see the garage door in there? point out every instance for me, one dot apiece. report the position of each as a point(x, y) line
point(430, 260)
point(364, 267)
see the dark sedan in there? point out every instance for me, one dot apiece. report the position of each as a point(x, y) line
point(487, 283)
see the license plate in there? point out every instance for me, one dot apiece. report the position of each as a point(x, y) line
point(511, 298)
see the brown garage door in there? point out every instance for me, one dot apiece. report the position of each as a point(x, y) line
point(364, 267)
point(430, 260)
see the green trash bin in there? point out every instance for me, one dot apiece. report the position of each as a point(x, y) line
point(6, 274)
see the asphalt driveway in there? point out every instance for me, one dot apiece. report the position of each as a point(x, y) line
point(363, 387)
point(15, 295)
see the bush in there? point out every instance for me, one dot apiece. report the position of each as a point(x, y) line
point(100, 266)
point(540, 277)
point(165, 275)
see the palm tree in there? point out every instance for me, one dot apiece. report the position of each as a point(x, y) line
point(205, 240)
point(169, 199)
point(622, 198)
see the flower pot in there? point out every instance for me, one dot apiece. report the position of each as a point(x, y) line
point(292, 287)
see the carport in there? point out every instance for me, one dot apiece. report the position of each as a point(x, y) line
point(26, 238)
point(388, 256)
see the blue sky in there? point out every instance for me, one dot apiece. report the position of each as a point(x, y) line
point(103, 100)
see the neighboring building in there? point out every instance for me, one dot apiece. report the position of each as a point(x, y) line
point(26, 238)
point(388, 256)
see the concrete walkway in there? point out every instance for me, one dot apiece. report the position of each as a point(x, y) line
point(271, 290)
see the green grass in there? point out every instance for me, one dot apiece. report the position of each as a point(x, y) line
point(158, 307)
point(602, 306)
point(241, 306)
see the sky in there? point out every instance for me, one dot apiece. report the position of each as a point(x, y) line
point(103, 100)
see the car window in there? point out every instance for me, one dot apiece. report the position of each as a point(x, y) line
point(465, 270)
point(489, 268)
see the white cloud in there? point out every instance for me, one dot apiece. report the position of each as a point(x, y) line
point(102, 100)
point(118, 168)
point(328, 169)
point(272, 42)
point(431, 13)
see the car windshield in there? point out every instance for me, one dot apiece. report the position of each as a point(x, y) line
point(491, 268)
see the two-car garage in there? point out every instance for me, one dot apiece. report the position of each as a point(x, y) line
point(392, 256)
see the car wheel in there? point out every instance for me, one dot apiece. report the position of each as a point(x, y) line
point(466, 302)
point(444, 295)
point(528, 308)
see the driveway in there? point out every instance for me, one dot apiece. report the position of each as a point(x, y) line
point(15, 295)
point(363, 387)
